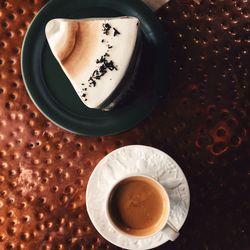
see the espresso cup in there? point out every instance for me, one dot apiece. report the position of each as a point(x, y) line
point(138, 206)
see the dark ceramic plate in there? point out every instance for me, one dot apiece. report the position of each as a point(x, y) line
point(52, 92)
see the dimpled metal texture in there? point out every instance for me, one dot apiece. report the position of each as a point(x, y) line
point(203, 125)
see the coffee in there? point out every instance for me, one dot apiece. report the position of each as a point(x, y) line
point(138, 206)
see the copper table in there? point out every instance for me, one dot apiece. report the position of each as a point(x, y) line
point(203, 124)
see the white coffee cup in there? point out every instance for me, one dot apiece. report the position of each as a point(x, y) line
point(161, 223)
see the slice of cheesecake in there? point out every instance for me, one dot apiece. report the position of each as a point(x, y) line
point(98, 55)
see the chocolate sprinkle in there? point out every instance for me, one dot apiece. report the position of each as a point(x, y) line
point(116, 32)
point(92, 82)
point(110, 47)
point(110, 65)
point(95, 73)
point(106, 28)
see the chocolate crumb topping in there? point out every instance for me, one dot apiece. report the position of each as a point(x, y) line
point(105, 63)
point(103, 69)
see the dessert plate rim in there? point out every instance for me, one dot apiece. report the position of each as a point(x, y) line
point(151, 162)
point(37, 78)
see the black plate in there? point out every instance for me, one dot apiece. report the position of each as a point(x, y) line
point(51, 90)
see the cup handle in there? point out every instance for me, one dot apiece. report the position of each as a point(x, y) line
point(172, 232)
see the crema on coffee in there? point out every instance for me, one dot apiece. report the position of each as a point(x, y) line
point(138, 206)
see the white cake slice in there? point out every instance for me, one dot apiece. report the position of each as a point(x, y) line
point(96, 54)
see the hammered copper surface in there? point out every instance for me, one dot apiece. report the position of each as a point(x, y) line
point(203, 124)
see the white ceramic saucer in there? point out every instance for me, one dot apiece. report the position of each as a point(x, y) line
point(137, 160)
